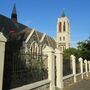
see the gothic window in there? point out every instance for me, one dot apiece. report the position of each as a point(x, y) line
point(34, 48)
point(60, 38)
point(60, 27)
point(68, 26)
point(64, 27)
point(63, 38)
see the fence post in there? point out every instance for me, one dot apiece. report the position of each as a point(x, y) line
point(89, 65)
point(86, 68)
point(74, 66)
point(81, 66)
point(51, 68)
point(59, 68)
point(2, 53)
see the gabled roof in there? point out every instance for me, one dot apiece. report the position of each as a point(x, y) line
point(39, 35)
point(18, 31)
point(43, 37)
point(52, 42)
point(7, 26)
point(22, 35)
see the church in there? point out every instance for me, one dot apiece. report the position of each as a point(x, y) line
point(28, 41)
point(32, 39)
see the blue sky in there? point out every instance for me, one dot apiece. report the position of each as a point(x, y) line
point(43, 14)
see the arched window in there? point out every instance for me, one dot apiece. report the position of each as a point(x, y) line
point(63, 38)
point(60, 27)
point(34, 49)
point(68, 26)
point(64, 27)
point(60, 38)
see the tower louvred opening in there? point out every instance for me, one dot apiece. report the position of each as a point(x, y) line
point(60, 27)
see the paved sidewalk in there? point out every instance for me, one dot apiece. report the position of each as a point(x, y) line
point(82, 85)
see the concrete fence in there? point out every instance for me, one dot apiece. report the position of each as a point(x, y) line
point(2, 52)
point(48, 84)
point(75, 77)
point(53, 74)
point(61, 81)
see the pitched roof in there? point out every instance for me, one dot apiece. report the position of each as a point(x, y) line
point(22, 35)
point(52, 42)
point(39, 35)
point(7, 26)
point(18, 31)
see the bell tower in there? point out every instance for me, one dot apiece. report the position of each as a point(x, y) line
point(63, 32)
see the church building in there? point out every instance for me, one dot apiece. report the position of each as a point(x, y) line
point(29, 37)
point(28, 42)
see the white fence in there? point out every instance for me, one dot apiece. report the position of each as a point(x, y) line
point(2, 52)
point(73, 78)
point(34, 85)
point(61, 81)
point(50, 82)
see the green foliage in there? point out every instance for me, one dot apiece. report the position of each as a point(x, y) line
point(69, 52)
point(84, 49)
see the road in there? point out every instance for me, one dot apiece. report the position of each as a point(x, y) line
point(82, 85)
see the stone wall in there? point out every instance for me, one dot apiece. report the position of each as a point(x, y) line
point(79, 77)
point(68, 81)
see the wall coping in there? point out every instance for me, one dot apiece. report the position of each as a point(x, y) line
point(68, 76)
point(33, 85)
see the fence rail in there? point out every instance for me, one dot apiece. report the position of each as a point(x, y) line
point(33, 85)
point(68, 76)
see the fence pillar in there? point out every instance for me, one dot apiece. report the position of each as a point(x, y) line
point(74, 66)
point(51, 68)
point(81, 66)
point(2, 52)
point(59, 68)
point(89, 65)
point(86, 68)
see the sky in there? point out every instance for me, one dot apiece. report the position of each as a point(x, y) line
point(42, 15)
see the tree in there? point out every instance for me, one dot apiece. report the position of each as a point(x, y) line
point(69, 52)
point(84, 49)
